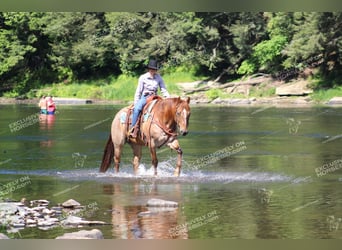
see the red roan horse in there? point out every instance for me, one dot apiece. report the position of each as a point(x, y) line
point(160, 123)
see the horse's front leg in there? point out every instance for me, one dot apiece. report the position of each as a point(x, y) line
point(175, 145)
point(136, 157)
point(154, 159)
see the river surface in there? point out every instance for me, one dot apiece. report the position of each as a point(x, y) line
point(251, 172)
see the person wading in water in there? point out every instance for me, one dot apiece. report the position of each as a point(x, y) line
point(147, 86)
point(43, 105)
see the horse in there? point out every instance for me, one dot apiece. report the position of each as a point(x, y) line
point(161, 121)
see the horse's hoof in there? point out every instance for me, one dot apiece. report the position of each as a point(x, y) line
point(176, 174)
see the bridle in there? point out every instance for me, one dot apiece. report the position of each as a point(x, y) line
point(170, 132)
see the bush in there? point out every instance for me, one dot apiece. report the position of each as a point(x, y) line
point(212, 94)
point(325, 95)
point(120, 88)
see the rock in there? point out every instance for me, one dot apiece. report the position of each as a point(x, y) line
point(18, 224)
point(40, 202)
point(231, 101)
point(45, 223)
point(76, 221)
point(239, 101)
point(218, 100)
point(155, 210)
point(31, 222)
point(335, 101)
point(38, 209)
point(161, 203)
point(3, 237)
point(56, 208)
point(23, 202)
point(83, 234)
point(186, 86)
point(146, 213)
point(16, 216)
point(48, 211)
point(71, 204)
point(9, 207)
point(72, 220)
point(299, 88)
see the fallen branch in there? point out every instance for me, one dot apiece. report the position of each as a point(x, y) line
point(251, 81)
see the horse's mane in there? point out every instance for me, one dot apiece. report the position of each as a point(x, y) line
point(166, 107)
point(172, 100)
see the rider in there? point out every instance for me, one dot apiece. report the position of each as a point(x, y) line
point(147, 85)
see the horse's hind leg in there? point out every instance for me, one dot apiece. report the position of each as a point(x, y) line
point(136, 157)
point(117, 157)
point(175, 145)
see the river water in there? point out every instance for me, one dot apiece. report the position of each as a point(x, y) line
point(248, 172)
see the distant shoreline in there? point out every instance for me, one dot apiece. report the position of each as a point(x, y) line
point(300, 101)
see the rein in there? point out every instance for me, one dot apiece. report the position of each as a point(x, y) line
point(166, 130)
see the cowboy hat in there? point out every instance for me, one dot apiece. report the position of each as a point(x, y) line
point(152, 64)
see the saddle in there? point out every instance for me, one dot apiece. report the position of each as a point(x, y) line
point(139, 137)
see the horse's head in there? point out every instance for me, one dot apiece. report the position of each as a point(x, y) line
point(183, 115)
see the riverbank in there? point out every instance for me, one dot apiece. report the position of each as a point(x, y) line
point(278, 101)
point(261, 90)
point(254, 91)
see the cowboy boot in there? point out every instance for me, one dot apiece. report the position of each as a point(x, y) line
point(133, 132)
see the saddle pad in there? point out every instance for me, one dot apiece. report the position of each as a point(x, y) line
point(123, 117)
point(149, 109)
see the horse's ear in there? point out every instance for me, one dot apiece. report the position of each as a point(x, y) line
point(188, 99)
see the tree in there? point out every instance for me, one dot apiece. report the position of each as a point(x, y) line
point(178, 39)
point(19, 54)
point(127, 33)
point(267, 55)
point(41, 48)
point(239, 33)
point(316, 43)
point(79, 44)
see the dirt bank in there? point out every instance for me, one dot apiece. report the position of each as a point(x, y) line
point(259, 90)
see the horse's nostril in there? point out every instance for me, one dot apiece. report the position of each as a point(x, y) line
point(185, 133)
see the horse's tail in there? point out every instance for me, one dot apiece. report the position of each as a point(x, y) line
point(108, 155)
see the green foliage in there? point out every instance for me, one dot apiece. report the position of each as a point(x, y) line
point(264, 55)
point(15, 47)
point(326, 94)
point(306, 40)
point(280, 24)
point(247, 67)
point(212, 94)
point(38, 48)
point(120, 88)
point(262, 91)
point(267, 50)
point(317, 35)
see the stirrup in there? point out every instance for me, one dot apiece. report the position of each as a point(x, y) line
point(133, 132)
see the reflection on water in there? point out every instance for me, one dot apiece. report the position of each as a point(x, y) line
point(139, 221)
point(46, 122)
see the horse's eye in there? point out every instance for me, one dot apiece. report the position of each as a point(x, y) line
point(178, 113)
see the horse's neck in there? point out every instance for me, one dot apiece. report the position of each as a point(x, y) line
point(167, 111)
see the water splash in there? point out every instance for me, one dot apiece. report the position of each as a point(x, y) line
point(165, 175)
